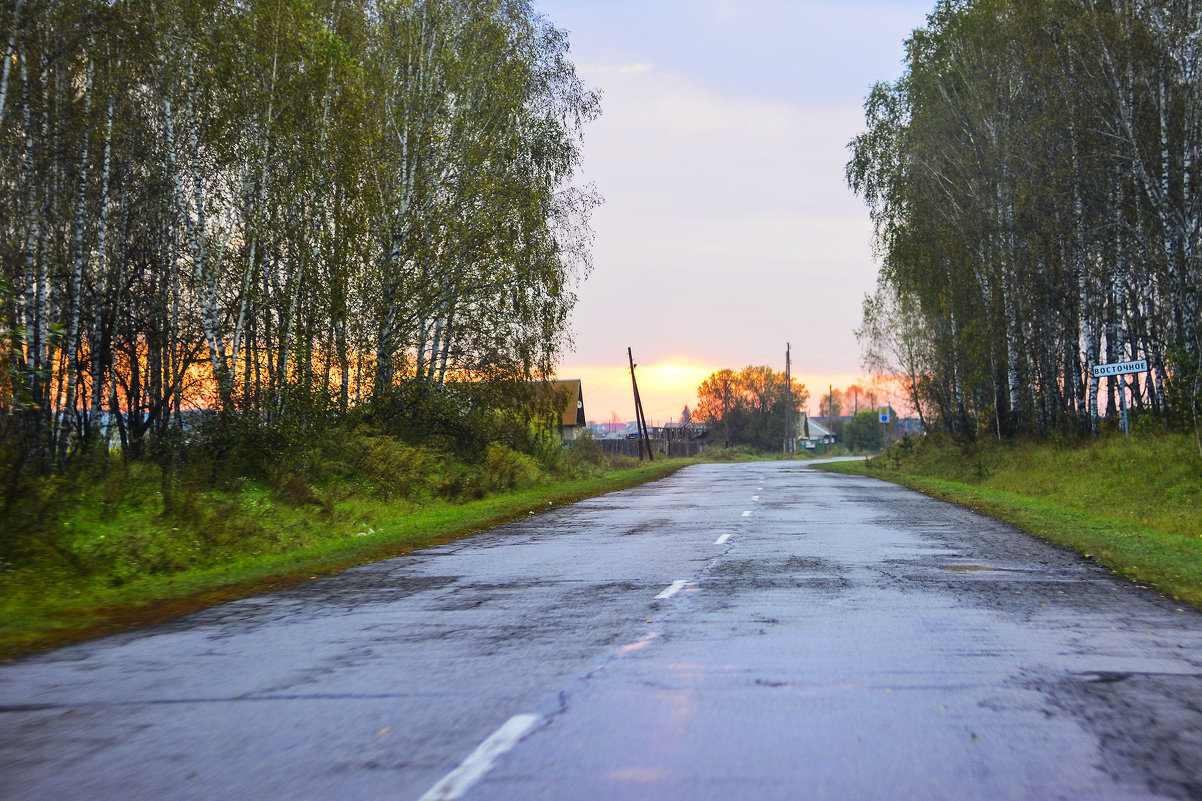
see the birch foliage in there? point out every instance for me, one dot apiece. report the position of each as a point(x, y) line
point(1031, 178)
point(276, 211)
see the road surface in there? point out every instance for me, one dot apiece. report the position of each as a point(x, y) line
point(735, 631)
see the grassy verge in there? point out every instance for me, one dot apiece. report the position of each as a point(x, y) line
point(45, 605)
point(1134, 505)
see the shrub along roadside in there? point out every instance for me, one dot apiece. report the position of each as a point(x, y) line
point(1133, 505)
point(255, 538)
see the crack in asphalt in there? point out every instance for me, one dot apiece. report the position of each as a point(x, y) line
point(21, 708)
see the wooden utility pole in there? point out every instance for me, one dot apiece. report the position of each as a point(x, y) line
point(637, 420)
point(640, 421)
point(646, 430)
point(790, 439)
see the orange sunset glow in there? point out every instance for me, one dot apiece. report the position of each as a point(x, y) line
point(667, 387)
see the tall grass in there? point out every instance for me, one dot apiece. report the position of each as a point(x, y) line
point(100, 545)
point(1153, 481)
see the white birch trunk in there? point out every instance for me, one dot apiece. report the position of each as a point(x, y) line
point(206, 273)
point(263, 146)
point(25, 352)
point(409, 127)
point(957, 378)
point(71, 345)
point(101, 268)
point(1176, 221)
point(1009, 309)
point(44, 292)
point(286, 338)
point(344, 368)
point(1088, 335)
point(178, 206)
point(9, 50)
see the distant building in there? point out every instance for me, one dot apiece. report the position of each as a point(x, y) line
point(568, 397)
point(811, 433)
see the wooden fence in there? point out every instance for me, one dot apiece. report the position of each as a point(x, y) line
point(669, 442)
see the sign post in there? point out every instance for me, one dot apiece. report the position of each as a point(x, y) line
point(884, 415)
point(1120, 368)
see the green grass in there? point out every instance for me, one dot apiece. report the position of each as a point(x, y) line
point(232, 545)
point(1134, 505)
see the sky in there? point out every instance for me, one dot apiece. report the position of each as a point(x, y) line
point(727, 229)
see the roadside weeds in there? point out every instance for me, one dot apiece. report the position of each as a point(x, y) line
point(36, 618)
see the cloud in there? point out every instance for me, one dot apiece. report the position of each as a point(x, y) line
point(727, 229)
point(728, 219)
point(802, 49)
point(666, 144)
point(594, 72)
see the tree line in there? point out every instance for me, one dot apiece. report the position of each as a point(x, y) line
point(1033, 180)
point(749, 407)
point(836, 403)
point(280, 211)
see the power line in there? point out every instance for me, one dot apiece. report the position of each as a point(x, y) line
point(681, 404)
point(616, 377)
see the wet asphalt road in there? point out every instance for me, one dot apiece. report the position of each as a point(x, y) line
point(752, 631)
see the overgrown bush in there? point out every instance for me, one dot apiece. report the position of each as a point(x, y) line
point(438, 416)
point(864, 432)
point(461, 482)
point(233, 484)
point(732, 454)
point(505, 468)
point(1184, 393)
point(584, 458)
point(397, 470)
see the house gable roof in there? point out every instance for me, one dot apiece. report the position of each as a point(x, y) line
point(571, 395)
point(812, 429)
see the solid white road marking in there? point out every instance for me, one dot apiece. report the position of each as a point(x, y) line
point(676, 587)
point(722, 540)
point(747, 514)
point(480, 761)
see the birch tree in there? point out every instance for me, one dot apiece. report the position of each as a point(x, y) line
point(1032, 181)
point(272, 211)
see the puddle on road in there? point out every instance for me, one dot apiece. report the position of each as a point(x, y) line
point(973, 568)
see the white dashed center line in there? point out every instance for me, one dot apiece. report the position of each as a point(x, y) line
point(480, 761)
point(676, 587)
point(722, 540)
point(638, 646)
point(755, 497)
point(747, 514)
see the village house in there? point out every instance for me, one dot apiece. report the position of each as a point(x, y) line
point(568, 399)
point(811, 433)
